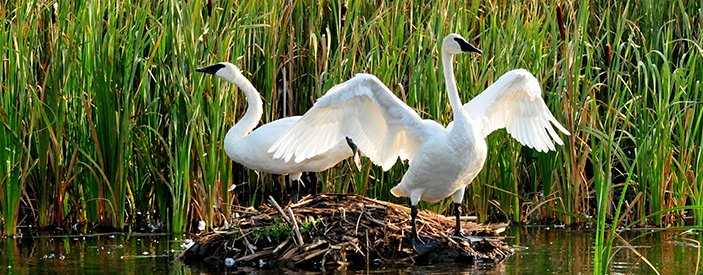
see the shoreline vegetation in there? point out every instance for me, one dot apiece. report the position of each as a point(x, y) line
point(105, 125)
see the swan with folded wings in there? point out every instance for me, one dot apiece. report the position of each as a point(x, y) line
point(442, 161)
point(248, 147)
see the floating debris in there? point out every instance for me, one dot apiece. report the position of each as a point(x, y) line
point(229, 262)
point(332, 230)
point(681, 244)
point(187, 244)
point(106, 246)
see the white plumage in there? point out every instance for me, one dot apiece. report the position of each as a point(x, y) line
point(249, 148)
point(363, 107)
point(515, 102)
point(442, 161)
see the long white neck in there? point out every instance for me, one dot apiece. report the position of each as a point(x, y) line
point(452, 91)
point(254, 110)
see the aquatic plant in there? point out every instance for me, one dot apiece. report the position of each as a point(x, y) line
point(14, 164)
point(104, 122)
point(279, 230)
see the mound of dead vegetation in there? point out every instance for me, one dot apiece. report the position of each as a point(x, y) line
point(333, 230)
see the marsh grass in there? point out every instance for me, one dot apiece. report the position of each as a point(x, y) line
point(104, 121)
point(15, 164)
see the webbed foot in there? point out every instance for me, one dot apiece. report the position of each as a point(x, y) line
point(423, 244)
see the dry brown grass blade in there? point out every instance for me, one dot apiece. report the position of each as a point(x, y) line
point(634, 250)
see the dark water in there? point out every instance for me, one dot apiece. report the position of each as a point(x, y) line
point(538, 250)
point(549, 250)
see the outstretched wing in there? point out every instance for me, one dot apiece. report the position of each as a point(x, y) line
point(363, 109)
point(515, 103)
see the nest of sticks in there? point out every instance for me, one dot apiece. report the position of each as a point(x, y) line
point(332, 230)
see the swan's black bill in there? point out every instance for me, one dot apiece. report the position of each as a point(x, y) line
point(466, 46)
point(355, 153)
point(210, 69)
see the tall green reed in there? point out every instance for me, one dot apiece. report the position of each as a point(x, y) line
point(639, 86)
point(16, 77)
point(49, 175)
point(113, 71)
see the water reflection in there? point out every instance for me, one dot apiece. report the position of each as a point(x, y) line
point(97, 254)
point(538, 250)
point(549, 250)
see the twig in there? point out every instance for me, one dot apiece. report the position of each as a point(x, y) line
point(356, 231)
point(315, 245)
point(464, 218)
point(296, 229)
point(315, 254)
point(255, 255)
point(280, 246)
point(289, 253)
point(278, 208)
point(248, 245)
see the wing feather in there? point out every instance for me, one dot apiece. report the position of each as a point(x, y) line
point(515, 102)
point(363, 109)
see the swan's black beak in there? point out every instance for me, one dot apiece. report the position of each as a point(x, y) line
point(467, 47)
point(210, 69)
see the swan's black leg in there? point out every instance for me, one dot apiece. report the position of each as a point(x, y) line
point(421, 244)
point(312, 182)
point(355, 153)
point(457, 215)
point(457, 230)
point(413, 216)
point(294, 191)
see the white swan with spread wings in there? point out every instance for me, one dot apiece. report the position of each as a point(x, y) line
point(442, 161)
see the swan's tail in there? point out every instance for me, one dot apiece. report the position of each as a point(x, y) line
point(398, 193)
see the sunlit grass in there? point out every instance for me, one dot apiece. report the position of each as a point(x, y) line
point(14, 164)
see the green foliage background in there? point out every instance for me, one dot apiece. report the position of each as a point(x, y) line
point(105, 123)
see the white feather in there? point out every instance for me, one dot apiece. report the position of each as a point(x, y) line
point(248, 147)
point(362, 108)
point(515, 102)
